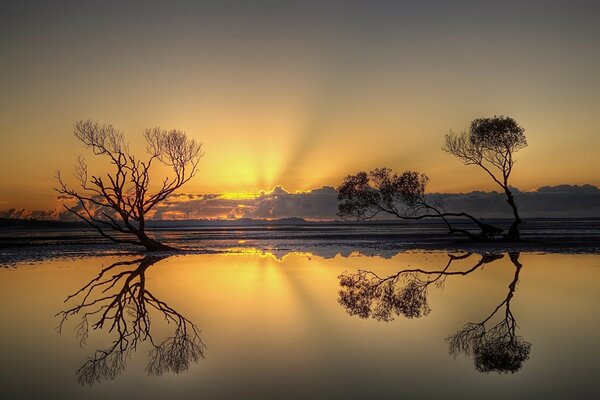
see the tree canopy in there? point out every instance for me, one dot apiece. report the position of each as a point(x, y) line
point(367, 194)
point(491, 144)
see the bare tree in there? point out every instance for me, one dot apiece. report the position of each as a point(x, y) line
point(368, 194)
point(491, 144)
point(497, 348)
point(121, 201)
point(119, 298)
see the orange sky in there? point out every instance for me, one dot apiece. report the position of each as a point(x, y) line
point(300, 96)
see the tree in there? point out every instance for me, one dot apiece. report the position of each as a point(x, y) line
point(494, 347)
point(122, 201)
point(367, 194)
point(491, 144)
point(118, 299)
point(366, 294)
point(497, 348)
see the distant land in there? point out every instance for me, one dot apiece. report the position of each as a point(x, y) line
point(282, 207)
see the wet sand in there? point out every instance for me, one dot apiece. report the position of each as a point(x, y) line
point(28, 244)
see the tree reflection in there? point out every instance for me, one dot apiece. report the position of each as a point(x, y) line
point(497, 348)
point(405, 293)
point(118, 300)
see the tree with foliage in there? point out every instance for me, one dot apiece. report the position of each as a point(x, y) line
point(491, 144)
point(495, 348)
point(368, 194)
point(493, 343)
point(121, 201)
point(366, 294)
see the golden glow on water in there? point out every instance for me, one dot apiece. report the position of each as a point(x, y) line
point(276, 256)
point(272, 321)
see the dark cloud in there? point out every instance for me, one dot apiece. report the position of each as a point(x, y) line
point(59, 213)
point(315, 204)
point(549, 201)
point(321, 204)
point(318, 203)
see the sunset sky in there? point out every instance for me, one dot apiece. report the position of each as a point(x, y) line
point(299, 94)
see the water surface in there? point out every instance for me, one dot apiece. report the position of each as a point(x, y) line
point(298, 325)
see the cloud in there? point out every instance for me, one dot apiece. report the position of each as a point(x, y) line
point(549, 201)
point(321, 204)
point(59, 213)
point(318, 204)
point(43, 215)
point(315, 204)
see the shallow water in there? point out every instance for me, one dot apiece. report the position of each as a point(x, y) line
point(282, 326)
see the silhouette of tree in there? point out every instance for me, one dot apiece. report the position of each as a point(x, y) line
point(491, 143)
point(366, 195)
point(122, 201)
point(122, 302)
point(498, 348)
point(365, 294)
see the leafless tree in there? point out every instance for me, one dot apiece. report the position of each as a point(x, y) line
point(117, 299)
point(366, 294)
point(368, 194)
point(497, 348)
point(491, 144)
point(121, 201)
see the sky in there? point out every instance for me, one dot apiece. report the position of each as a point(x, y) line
point(298, 95)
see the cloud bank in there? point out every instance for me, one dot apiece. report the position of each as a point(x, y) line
point(321, 204)
point(316, 204)
point(549, 201)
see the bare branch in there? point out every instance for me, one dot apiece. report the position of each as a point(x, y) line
point(124, 194)
point(122, 302)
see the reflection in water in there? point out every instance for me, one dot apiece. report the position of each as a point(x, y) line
point(119, 301)
point(497, 348)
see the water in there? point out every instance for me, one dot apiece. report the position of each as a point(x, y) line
point(35, 243)
point(299, 325)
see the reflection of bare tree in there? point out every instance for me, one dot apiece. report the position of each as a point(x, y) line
point(405, 293)
point(498, 348)
point(118, 299)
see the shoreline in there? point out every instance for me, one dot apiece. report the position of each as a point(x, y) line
point(37, 251)
point(568, 236)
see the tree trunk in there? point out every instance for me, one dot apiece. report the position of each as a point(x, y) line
point(486, 232)
point(139, 231)
point(151, 244)
point(513, 232)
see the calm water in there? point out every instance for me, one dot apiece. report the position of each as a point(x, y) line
point(250, 324)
